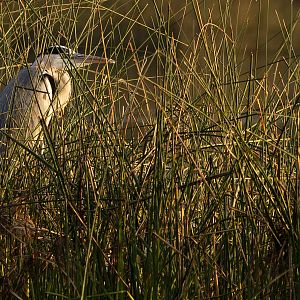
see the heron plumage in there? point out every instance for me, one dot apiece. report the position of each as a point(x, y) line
point(31, 97)
point(39, 91)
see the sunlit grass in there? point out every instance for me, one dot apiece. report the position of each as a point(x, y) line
point(173, 174)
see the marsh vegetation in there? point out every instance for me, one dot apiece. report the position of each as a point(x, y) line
point(172, 175)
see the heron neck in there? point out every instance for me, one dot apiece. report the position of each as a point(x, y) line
point(63, 88)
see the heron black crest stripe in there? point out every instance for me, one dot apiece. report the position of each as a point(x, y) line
point(57, 50)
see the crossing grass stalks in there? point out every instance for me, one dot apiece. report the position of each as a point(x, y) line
point(172, 175)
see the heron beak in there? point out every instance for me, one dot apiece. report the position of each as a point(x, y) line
point(84, 60)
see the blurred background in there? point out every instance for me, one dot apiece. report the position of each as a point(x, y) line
point(137, 33)
point(260, 27)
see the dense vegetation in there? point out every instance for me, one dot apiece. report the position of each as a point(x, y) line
point(173, 174)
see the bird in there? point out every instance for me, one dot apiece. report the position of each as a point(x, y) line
point(39, 91)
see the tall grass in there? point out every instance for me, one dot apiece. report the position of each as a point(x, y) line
point(172, 175)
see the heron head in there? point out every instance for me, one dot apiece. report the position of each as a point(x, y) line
point(62, 57)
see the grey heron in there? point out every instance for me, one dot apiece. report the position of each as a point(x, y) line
point(39, 91)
